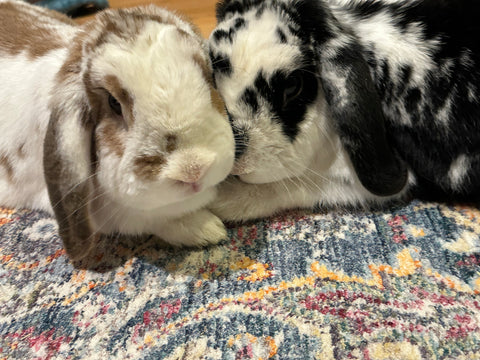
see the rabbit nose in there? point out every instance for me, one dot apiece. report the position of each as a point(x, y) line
point(193, 173)
point(191, 168)
point(192, 177)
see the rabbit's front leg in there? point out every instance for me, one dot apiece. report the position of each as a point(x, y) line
point(237, 200)
point(199, 228)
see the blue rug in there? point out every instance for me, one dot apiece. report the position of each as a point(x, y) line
point(402, 283)
point(71, 6)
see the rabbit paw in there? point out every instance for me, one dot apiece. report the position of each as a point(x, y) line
point(200, 228)
point(239, 201)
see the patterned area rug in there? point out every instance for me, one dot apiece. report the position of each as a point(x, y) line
point(402, 284)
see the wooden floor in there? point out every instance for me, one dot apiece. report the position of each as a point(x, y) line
point(201, 12)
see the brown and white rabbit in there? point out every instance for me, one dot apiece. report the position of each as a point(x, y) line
point(348, 102)
point(116, 118)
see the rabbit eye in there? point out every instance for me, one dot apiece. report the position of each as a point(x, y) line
point(114, 105)
point(293, 87)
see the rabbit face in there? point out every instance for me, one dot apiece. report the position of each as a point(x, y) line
point(300, 96)
point(267, 75)
point(158, 139)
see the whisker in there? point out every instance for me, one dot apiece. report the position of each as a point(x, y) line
point(72, 189)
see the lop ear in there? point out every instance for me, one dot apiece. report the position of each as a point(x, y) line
point(68, 169)
point(358, 117)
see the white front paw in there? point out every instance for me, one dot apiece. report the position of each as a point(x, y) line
point(200, 228)
point(238, 201)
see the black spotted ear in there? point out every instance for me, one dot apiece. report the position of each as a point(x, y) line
point(68, 169)
point(358, 117)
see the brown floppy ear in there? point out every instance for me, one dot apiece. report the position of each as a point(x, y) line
point(356, 110)
point(68, 169)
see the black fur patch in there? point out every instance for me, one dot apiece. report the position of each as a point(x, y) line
point(220, 64)
point(225, 7)
point(221, 34)
point(249, 97)
point(239, 23)
point(281, 36)
point(291, 114)
point(405, 77)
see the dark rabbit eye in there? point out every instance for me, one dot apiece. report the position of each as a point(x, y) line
point(114, 105)
point(293, 87)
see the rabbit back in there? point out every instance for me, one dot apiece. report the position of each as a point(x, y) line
point(33, 44)
point(425, 58)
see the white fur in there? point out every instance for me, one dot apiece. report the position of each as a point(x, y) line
point(21, 127)
point(457, 170)
point(401, 48)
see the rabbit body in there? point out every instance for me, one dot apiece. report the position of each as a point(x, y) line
point(111, 126)
point(348, 102)
point(24, 96)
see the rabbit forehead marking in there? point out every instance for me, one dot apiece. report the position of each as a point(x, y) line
point(260, 59)
point(36, 31)
point(258, 42)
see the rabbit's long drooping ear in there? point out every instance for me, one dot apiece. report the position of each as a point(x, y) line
point(356, 110)
point(353, 101)
point(359, 120)
point(68, 169)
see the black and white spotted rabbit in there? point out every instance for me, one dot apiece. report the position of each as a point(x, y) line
point(350, 102)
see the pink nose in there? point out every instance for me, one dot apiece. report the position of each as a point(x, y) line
point(191, 168)
point(191, 173)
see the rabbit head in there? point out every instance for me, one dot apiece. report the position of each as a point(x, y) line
point(298, 92)
point(133, 119)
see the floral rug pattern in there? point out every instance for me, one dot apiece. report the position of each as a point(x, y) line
point(402, 283)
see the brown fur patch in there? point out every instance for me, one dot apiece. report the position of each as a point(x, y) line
point(124, 23)
point(148, 167)
point(108, 136)
point(6, 163)
point(72, 64)
point(24, 30)
point(114, 87)
point(172, 143)
point(207, 75)
point(217, 101)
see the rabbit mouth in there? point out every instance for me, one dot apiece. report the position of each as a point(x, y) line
point(190, 188)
